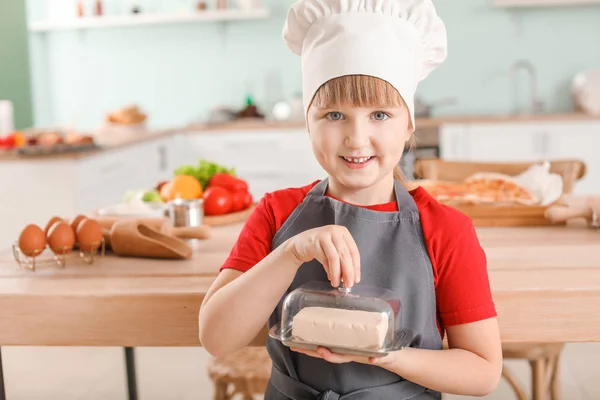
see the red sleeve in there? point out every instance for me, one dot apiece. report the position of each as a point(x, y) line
point(254, 241)
point(463, 289)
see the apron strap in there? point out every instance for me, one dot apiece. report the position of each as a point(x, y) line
point(320, 188)
point(405, 201)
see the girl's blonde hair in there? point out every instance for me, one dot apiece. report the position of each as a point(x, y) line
point(361, 91)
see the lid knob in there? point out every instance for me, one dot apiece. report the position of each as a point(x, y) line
point(343, 288)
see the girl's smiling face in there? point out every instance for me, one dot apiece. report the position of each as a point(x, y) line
point(359, 127)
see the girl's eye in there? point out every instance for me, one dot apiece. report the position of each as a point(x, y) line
point(380, 116)
point(334, 116)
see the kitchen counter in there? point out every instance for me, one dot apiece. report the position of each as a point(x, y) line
point(106, 144)
point(545, 282)
point(423, 124)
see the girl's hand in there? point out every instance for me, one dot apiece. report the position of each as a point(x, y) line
point(334, 247)
point(335, 358)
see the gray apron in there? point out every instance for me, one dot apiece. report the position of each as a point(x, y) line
point(393, 256)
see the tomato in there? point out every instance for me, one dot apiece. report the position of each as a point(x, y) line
point(228, 182)
point(247, 200)
point(7, 142)
point(238, 201)
point(217, 201)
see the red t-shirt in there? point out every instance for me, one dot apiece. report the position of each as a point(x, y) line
point(459, 263)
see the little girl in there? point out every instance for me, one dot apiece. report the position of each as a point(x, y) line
point(362, 61)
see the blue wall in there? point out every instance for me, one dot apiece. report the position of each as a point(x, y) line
point(178, 72)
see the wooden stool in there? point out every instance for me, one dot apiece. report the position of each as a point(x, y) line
point(246, 372)
point(544, 360)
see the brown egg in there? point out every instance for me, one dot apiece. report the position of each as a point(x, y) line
point(61, 238)
point(76, 222)
point(89, 234)
point(32, 240)
point(50, 223)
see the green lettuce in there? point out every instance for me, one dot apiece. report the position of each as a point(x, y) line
point(204, 171)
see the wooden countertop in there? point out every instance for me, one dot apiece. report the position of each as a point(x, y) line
point(545, 282)
point(241, 125)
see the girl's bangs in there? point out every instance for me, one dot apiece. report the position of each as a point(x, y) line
point(357, 91)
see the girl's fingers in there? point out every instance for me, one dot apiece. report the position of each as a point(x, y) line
point(347, 269)
point(322, 258)
point(333, 260)
point(354, 254)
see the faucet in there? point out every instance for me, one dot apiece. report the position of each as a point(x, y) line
point(536, 103)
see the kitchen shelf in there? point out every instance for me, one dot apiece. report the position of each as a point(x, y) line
point(543, 3)
point(147, 19)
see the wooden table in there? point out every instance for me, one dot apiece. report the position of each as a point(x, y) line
point(545, 282)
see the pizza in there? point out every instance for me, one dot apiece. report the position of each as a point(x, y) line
point(489, 187)
point(444, 190)
point(481, 188)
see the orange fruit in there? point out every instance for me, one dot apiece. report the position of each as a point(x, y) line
point(185, 187)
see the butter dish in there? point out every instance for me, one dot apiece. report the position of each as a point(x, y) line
point(360, 321)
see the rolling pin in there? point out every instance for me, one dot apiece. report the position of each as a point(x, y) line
point(162, 225)
point(561, 214)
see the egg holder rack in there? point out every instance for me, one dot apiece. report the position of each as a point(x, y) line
point(59, 257)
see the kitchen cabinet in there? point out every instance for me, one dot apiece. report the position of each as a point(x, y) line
point(103, 179)
point(491, 142)
point(267, 159)
point(32, 192)
point(37, 189)
point(527, 141)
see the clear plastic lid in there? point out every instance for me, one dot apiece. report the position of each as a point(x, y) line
point(362, 320)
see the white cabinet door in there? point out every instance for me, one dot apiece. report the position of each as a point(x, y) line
point(581, 141)
point(452, 139)
point(156, 161)
point(287, 149)
point(503, 142)
point(103, 179)
point(269, 160)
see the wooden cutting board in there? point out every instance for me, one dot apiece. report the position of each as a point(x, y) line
point(505, 215)
point(228, 219)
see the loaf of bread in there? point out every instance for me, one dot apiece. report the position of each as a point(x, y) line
point(338, 327)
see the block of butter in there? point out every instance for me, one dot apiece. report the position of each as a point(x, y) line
point(340, 327)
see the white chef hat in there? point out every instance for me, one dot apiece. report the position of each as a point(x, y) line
point(399, 41)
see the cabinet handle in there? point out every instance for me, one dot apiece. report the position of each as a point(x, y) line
point(110, 167)
point(162, 158)
point(545, 144)
point(540, 144)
